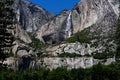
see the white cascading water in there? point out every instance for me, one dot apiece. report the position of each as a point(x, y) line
point(68, 26)
point(18, 15)
point(34, 26)
point(33, 64)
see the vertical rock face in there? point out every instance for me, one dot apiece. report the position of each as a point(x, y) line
point(54, 30)
point(22, 34)
point(30, 16)
point(84, 14)
point(94, 11)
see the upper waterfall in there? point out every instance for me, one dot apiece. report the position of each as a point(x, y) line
point(68, 26)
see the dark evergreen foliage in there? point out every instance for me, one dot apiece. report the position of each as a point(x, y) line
point(97, 72)
point(118, 38)
point(6, 28)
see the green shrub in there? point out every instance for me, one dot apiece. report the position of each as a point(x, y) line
point(118, 39)
point(36, 43)
point(79, 37)
point(87, 55)
point(61, 73)
point(103, 55)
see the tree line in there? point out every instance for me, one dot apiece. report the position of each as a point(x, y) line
point(97, 72)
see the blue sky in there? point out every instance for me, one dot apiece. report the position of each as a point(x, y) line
point(56, 6)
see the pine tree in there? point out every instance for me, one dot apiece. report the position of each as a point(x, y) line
point(6, 28)
point(118, 37)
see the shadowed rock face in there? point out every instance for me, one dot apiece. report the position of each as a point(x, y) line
point(30, 16)
point(24, 62)
point(84, 14)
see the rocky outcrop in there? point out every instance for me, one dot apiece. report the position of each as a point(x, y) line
point(71, 63)
point(21, 49)
point(79, 48)
point(26, 62)
point(21, 34)
point(26, 58)
point(84, 14)
point(30, 16)
point(23, 57)
point(50, 31)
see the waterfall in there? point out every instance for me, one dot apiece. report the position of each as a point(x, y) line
point(34, 25)
point(33, 64)
point(18, 15)
point(68, 26)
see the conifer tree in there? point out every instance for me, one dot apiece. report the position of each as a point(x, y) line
point(118, 36)
point(6, 27)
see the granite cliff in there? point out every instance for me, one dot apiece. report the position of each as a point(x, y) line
point(30, 16)
point(80, 37)
point(87, 31)
point(85, 14)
